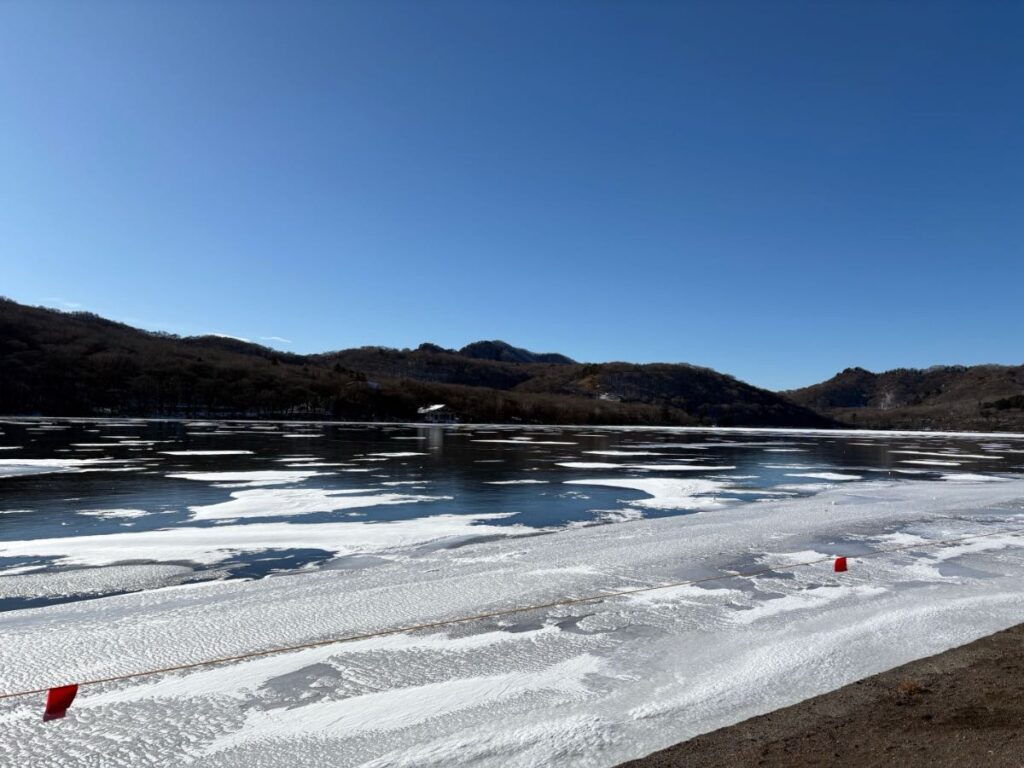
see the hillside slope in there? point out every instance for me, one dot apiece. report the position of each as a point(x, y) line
point(59, 363)
point(980, 397)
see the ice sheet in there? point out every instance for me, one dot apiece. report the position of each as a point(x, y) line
point(205, 453)
point(114, 513)
point(215, 544)
point(15, 467)
point(951, 455)
point(645, 467)
point(517, 482)
point(286, 502)
point(625, 453)
point(970, 477)
point(836, 476)
point(250, 478)
point(527, 442)
point(665, 493)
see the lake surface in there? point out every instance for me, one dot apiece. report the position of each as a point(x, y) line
point(91, 508)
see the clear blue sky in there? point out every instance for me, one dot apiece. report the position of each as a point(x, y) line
point(777, 190)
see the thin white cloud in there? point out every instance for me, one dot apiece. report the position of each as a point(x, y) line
point(276, 338)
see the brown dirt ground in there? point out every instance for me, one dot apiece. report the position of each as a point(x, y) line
point(962, 708)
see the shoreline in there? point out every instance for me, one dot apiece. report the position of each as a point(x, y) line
point(964, 706)
point(840, 430)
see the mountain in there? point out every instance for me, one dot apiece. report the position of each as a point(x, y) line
point(76, 363)
point(506, 353)
point(979, 397)
point(703, 395)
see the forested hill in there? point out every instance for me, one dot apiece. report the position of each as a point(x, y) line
point(60, 363)
point(985, 398)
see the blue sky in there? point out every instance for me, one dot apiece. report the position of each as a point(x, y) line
point(777, 190)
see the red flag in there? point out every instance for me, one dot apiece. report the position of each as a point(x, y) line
point(58, 700)
point(840, 565)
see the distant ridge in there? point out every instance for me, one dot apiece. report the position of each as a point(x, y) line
point(979, 397)
point(76, 363)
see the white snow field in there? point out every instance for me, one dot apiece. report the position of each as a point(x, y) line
point(589, 684)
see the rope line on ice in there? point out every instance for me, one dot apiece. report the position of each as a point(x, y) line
point(60, 696)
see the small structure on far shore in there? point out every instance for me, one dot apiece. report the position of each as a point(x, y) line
point(438, 413)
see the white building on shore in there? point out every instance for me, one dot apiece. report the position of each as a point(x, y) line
point(438, 413)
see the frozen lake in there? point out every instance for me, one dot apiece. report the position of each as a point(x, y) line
point(245, 536)
point(220, 500)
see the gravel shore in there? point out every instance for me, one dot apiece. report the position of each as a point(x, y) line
point(963, 707)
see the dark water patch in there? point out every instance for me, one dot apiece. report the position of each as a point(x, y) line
point(22, 603)
point(265, 562)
